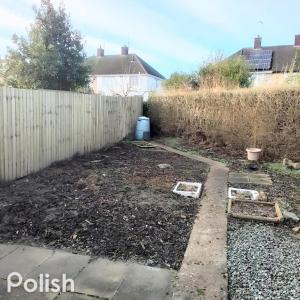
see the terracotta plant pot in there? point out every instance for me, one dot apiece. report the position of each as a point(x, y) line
point(253, 153)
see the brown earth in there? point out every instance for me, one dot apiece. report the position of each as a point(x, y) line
point(285, 188)
point(115, 203)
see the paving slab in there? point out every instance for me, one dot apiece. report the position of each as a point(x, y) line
point(101, 278)
point(74, 296)
point(147, 283)
point(238, 179)
point(250, 178)
point(20, 294)
point(7, 249)
point(61, 263)
point(260, 181)
point(23, 260)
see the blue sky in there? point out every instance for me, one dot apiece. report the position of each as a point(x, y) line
point(171, 35)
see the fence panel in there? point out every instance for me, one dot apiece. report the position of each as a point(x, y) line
point(38, 127)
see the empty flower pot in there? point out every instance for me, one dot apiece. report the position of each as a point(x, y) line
point(253, 153)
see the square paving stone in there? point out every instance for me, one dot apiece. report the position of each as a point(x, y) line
point(61, 263)
point(73, 296)
point(251, 178)
point(23, 260)
point(147, 283)
point(100, 278)
point(7, 249)
point(236, 178)
point(19, 293)
point(260, 179)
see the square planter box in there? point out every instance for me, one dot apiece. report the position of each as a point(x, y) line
point(255, 210)
point(188, 189)
point(251, 194)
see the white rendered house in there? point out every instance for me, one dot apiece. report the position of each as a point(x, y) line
point(124, 74)
point(272, 64)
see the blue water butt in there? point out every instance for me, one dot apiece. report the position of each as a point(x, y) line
point(142, 130)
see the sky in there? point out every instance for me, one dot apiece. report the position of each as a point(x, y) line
point(171, 35)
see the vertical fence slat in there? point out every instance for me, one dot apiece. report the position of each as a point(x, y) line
point(1, 136)
point(38, 127)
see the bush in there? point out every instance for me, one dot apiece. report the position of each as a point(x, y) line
point(231, 72)
point(178, 80)
point(235, 119)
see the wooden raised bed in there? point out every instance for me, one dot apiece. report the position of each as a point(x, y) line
point(255, 210)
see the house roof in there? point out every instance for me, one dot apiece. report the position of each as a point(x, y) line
point(284, 57)
point(121, 64)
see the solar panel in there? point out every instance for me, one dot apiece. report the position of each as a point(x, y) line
point(260, 59)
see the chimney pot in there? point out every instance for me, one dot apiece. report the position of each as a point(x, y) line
point(100, 52)
point(297, 40)
point(257, 42)
point(124, 50)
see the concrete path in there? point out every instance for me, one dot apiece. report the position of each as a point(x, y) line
point(203, 273)
point(94, 279)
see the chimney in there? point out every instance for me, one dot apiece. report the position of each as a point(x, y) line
point(124, 50)
point(257, 42)
point(297, 40)
point(100, 52)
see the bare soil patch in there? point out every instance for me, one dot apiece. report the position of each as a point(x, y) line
point(285, 188)
point(253, 209)
point(116, 203)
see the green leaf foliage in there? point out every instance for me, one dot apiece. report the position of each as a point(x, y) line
point(231, 71)
point(52, 56)
point(178, 80)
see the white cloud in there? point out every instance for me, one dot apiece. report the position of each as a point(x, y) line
point(11, 20)
point(140, 26)
point(4, 43)
point(149, 33)
point(217, 13)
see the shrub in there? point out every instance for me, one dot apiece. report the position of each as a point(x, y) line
point(231, 72)
point(178, 80)
point(235, 119)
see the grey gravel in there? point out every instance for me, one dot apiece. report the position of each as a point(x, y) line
point(263, 261)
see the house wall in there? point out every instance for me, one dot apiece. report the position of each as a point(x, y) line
point(269, 78)
point(125, 85)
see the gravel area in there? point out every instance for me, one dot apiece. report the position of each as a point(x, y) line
point(263, 261)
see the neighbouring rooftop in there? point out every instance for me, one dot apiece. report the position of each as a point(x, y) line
point(124, 63)
point(278, 59)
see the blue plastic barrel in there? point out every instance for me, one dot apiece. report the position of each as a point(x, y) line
point(142, 130)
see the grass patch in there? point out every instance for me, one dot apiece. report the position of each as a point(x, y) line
point(279, 168)
point(200, 292)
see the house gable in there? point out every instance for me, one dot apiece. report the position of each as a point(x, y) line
point(121, 64)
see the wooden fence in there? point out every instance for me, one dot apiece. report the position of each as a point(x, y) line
point(38, 127)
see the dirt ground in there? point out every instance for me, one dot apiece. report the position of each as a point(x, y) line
point(251, 209)
point(115, 203)
point(285, 188)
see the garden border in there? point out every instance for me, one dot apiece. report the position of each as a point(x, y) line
point(204, 267)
